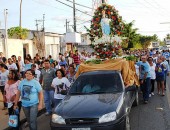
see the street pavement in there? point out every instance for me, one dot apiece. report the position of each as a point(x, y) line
point(152, 116)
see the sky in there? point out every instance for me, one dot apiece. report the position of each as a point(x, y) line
point(150, 16)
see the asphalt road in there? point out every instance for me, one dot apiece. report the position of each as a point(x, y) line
point(152, 116)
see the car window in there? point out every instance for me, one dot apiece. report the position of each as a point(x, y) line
point(100, 83)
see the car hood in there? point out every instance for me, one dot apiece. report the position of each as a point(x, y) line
point(88, 106)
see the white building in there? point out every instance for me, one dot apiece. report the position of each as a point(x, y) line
point(154, 45)
point(54, 43)
point(20, 47)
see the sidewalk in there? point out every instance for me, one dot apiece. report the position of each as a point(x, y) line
point(4, 118)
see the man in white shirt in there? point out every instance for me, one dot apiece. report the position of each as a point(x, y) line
point(11, 65)
point(37, 72)
point(21, 65)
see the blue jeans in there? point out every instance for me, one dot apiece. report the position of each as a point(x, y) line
point(48, 100)
point(31, 115)
point(146, 88)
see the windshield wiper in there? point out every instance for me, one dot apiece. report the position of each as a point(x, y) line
point(97, 92)
point(102, 92)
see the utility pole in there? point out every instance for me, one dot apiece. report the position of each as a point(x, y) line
point(6, 33)
point(36, 24)
point(20, 18)
point(74, 16)
point(67, 25)
point(43, 22)
point(43, 37)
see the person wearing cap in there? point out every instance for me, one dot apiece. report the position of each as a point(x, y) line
point(37, 72)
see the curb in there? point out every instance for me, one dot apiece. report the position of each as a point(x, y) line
point(24, 120)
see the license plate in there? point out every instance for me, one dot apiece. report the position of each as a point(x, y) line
point(80, 128)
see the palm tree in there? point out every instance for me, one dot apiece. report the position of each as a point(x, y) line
point(168, 36)
point(130, 34)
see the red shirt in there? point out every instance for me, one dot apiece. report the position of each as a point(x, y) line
point(76, 59)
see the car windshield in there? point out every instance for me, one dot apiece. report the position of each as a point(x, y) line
point(97, 84)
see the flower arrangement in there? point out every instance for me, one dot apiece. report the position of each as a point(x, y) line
point(116, 24)
point(107, 50)
point(106, 25)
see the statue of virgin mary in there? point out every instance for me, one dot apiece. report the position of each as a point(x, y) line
point(105, 24)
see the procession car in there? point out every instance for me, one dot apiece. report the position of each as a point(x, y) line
point(97, 100)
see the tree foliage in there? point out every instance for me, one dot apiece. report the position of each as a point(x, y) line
point(135, 40)
point(168, 36)
point(18, 32)
point(130, 34)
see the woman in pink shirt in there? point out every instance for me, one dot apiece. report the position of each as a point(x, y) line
point(11, 88)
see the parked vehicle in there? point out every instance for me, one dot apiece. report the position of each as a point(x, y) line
point(97, 100)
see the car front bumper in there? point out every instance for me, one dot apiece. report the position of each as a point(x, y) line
point(120, 125)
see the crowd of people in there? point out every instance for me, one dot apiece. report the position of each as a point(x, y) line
point(27, 84)
point(152, 66)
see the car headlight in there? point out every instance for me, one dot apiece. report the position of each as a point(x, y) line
point(108, 117)
point(58, 119)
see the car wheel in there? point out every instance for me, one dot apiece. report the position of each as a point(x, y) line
point(136, 101)
point(127, 125)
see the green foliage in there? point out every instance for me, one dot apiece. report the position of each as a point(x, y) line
point(131, 58)
point(95, 61)
point(168, 36)
point(18, 32)
point(135, 40)
point(162, 43)
point(138, 46)
point(146, 40)
point(130, 34)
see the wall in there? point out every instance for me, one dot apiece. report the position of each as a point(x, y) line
point(52, 45)
point(85, 40)
point(15, 47)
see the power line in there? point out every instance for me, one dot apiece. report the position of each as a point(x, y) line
point(154, 1)
point(49, 5)
point(138, 1)
point(159, 13)
point(72, 7)
point(84, 22)
point(156, 8)
point(79, 4)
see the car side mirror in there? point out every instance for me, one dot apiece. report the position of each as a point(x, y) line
point(130, 88)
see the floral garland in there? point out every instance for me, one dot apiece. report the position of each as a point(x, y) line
point(116, 25)
point(107, 50)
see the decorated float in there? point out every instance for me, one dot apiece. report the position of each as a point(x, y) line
point(105, 34)
point(105, 31)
